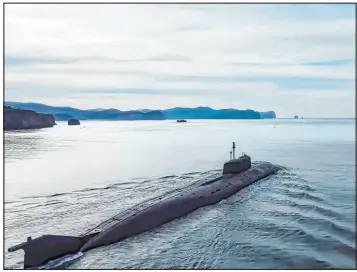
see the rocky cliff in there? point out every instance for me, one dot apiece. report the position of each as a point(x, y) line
point(267, 115)
point(15, 119)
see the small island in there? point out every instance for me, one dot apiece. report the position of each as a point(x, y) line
point(16, 119)
point(73, 122)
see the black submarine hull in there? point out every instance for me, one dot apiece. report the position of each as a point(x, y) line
point(236, 176)
point(181, 205)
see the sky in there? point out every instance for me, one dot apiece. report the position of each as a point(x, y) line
point(290, 58)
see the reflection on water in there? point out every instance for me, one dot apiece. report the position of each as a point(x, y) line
point(29, 143)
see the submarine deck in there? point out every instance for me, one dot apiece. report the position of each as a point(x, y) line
point(208, 178)
point(256, 171)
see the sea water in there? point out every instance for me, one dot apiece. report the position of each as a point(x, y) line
point(67, 179)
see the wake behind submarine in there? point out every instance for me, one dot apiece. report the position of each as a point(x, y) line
point(237, 174)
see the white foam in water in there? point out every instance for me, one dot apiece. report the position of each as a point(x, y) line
point(61, 261)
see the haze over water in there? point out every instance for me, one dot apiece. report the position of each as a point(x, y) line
point(65, 180)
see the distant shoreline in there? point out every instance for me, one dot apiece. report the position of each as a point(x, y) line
point(204, 113)
point(174, 120)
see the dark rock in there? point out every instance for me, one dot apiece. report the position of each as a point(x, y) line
point(73, 122)
point(15, 119)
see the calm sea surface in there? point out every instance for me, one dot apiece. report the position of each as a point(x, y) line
point(67, 179)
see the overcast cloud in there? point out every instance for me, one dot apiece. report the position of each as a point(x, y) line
point(293, 59)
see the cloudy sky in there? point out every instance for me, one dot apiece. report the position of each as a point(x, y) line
point(293, 59)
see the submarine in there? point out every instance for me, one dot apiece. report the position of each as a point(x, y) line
point(238, 173)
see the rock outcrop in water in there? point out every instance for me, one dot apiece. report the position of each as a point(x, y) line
point(15, 119)
point(73, 122)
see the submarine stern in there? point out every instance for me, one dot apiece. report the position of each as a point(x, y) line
point(45, 248)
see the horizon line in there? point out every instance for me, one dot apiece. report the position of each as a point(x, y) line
point(340, 118)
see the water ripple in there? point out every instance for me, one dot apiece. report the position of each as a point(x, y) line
point(282, 221)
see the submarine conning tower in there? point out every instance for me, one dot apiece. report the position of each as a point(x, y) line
point(236, 166)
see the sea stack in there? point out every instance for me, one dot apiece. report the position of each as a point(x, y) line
point(73, 122)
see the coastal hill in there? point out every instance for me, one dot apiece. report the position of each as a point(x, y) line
point(209, 113)
point(267, 115)
point(66, 113)
point(15, 119)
